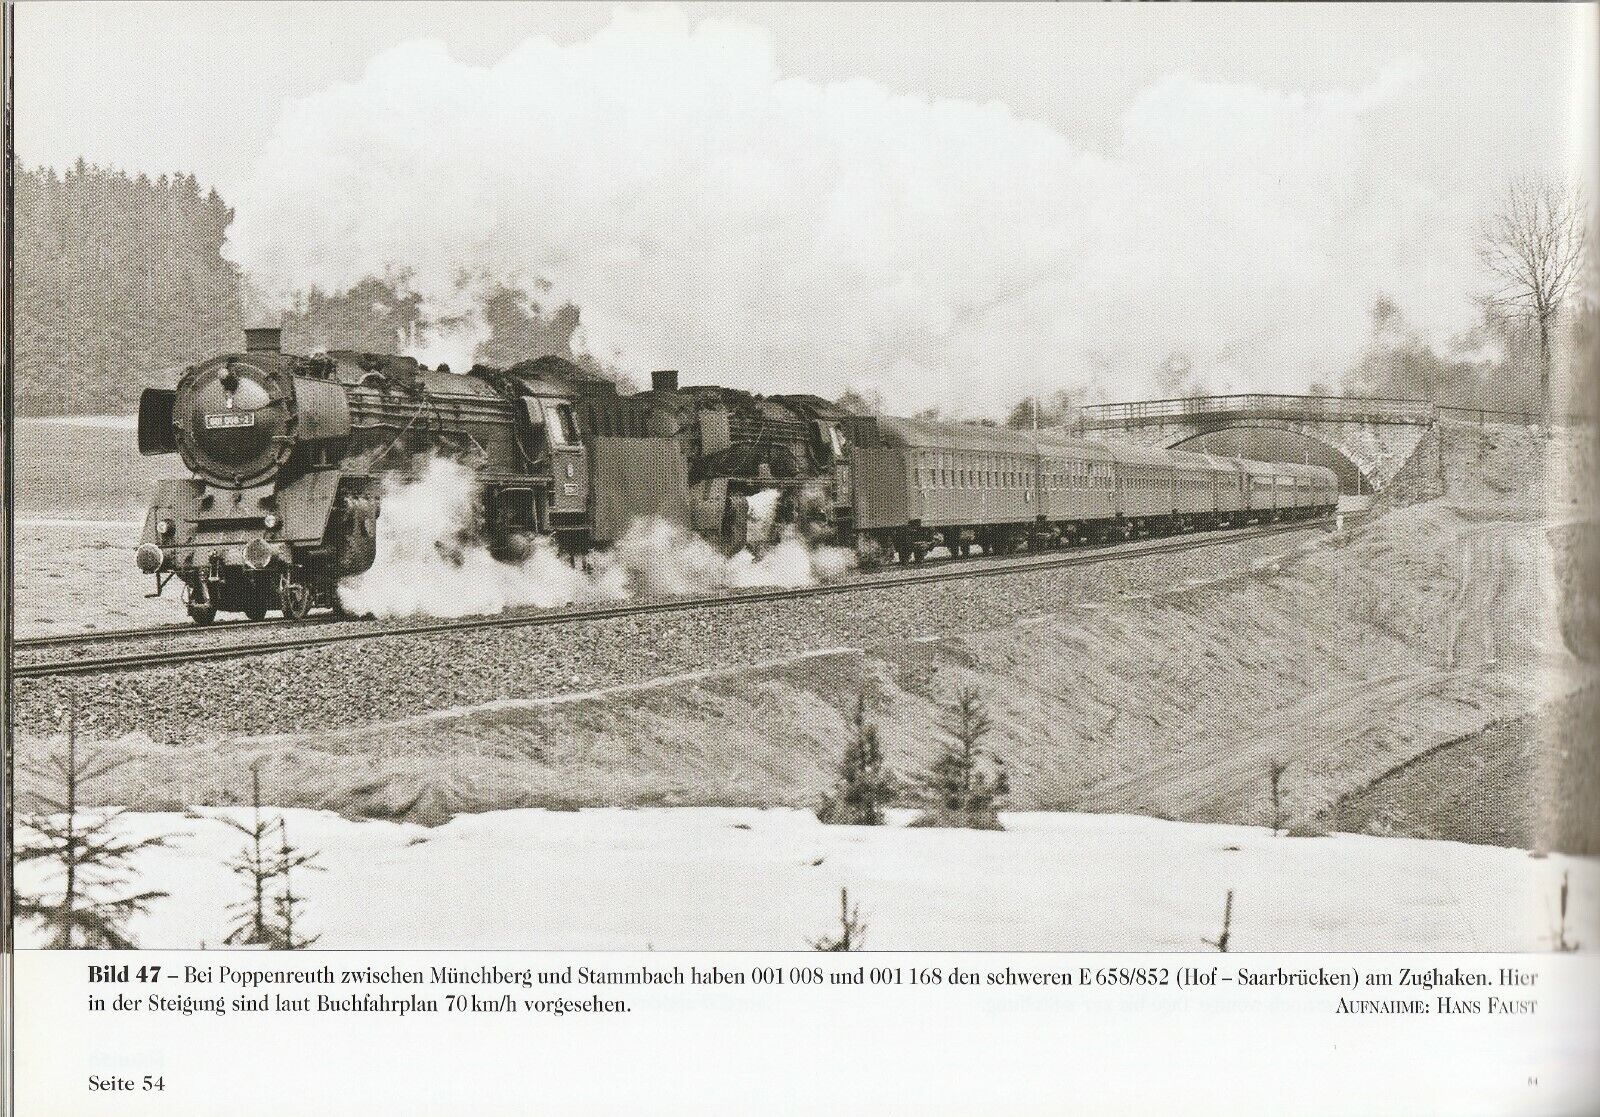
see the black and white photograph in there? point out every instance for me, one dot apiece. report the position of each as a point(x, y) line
point(809, 478)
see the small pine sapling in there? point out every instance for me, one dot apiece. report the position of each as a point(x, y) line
point(267, 916)
point(1563, 944)
point(287, 904)
point(91, 859)
point(1220, 943)
point(852, 932)
point(956, 791)
point(254, 863)
point(864, 786)
point(1275, 770)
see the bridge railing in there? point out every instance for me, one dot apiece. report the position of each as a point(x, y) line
point(1495, 415)
point(1261, 405)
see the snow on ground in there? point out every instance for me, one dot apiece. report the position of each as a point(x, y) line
point(77, 574)
point(745, 878)
point(81, 492)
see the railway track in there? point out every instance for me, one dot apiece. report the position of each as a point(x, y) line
point(340, 630)
point(152, 632)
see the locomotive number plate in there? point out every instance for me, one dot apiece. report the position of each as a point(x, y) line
point(569, 490)
point(230, 419)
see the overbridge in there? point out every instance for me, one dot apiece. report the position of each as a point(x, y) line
point(1365, 441)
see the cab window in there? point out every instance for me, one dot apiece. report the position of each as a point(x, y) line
point(560, 426)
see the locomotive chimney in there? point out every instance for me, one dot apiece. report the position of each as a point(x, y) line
point(664, 380)
point(263, 339)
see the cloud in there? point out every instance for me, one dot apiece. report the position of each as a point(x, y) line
point(707, 213)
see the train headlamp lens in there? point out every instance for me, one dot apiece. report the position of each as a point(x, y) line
point(163, 527)
point(271, 520)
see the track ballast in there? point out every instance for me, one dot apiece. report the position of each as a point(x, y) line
point(295, 637)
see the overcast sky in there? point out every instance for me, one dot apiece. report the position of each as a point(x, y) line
point(1410, 116)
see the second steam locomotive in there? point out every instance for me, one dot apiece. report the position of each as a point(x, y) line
point(288, 458)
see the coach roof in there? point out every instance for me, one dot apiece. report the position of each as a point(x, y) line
point(928, 434)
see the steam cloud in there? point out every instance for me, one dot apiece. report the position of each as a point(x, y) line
point(705, 212)
point(430, 563)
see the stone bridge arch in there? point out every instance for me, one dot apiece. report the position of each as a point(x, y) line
point(1365, 456)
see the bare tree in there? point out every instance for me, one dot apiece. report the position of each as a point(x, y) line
point(1533, 244)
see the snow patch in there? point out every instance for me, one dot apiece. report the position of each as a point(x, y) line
point(748, 879)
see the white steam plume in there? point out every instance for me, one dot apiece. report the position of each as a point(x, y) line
point(454, 342)
point(430, 563)
point(705, 212)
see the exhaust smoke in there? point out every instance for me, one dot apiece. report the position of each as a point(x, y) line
point(702, 210)
point(431, 560)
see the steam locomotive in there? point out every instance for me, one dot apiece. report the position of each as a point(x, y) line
point(289, 456)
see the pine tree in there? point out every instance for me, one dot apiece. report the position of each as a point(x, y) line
point(287, 904)
point(1275, 771)
point(93, 861)
point(264, 918)
point(1220, 943)
point(254, 864)
point(864, 786)
point(956, 790)
point(852, 932)
point(120, 282)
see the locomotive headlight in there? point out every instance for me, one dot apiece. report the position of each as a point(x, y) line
point(270, 520)
point(164, 527)
point(258, 554)
point(149, 557)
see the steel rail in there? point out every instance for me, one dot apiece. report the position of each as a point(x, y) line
point(1084, 557)
point(150, 632)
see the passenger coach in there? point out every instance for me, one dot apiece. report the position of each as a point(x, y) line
point(920, 484)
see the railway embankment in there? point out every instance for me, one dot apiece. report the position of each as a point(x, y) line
point(309, 693)
point(1163, 687)
point(1344, 658)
